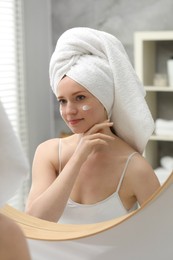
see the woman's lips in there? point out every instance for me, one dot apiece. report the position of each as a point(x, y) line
point(74, 121)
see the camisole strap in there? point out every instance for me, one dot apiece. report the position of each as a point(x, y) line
point(124, 171)
point(59, 155)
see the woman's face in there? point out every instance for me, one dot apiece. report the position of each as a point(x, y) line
point(78, 107)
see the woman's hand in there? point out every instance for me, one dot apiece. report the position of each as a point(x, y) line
point(94, 140)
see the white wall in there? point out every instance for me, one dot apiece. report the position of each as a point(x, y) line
point(37, 31)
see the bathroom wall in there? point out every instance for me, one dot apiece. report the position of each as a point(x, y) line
point(119, 17)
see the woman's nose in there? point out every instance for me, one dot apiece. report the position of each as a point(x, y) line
point(71, 108)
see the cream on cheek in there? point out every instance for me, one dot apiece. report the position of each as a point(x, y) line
point(86, 108)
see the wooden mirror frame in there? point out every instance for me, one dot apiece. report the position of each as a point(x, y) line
point(35, 228)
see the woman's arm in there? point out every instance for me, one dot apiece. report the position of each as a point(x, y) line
point(49, 193)
point(143, 179)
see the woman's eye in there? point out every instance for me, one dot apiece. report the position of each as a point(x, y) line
point(62, 101)
point(80, 97)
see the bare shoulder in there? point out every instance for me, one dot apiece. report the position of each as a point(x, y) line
point(7, 224)
point(48, 144)
point(48, 150)
point(142, 178)
point(140, 168)
point(52, 144)
point(11, 236)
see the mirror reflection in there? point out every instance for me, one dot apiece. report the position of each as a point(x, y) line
point(98, 173)
point(99, 166)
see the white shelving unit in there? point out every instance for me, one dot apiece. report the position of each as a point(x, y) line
point(146, 54)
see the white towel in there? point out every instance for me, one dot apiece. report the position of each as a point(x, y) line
point(162, 174)
point(13, 164)
point(109, 76)
point(163, 127)
point(167, 163)
point(165, 132)
point(163, 124)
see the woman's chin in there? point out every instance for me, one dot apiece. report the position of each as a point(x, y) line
point(79, 131)
point(75, 130)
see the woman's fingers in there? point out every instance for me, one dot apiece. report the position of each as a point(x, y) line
point(94, 139)
point(94, 142)
point(99, 136)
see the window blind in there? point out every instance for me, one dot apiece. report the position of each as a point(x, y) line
point(12, 92)
point(12, 83)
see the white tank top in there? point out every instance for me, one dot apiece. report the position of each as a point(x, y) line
point(107, 209)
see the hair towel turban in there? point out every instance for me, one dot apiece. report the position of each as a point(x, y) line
point(97, 60)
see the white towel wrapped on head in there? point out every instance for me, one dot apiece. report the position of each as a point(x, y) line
point(97, 60)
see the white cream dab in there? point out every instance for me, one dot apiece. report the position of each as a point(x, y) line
point(86, 107)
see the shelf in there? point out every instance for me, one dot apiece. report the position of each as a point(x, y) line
point(155, 35)
point(152, 51)
point(158, 89)
point(168, 138)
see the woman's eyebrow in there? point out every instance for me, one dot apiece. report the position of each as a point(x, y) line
point(78, 92)
point(75, 93)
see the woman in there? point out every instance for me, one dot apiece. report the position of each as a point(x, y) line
point(98, 173)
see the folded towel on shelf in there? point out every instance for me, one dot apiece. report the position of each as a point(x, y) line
point(167, 162)
point(164, 124)
point(164, 132)
point(97, 60)
point(14, 167)
point(163, 127)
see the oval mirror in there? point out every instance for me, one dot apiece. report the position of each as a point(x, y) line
point(134, 236)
